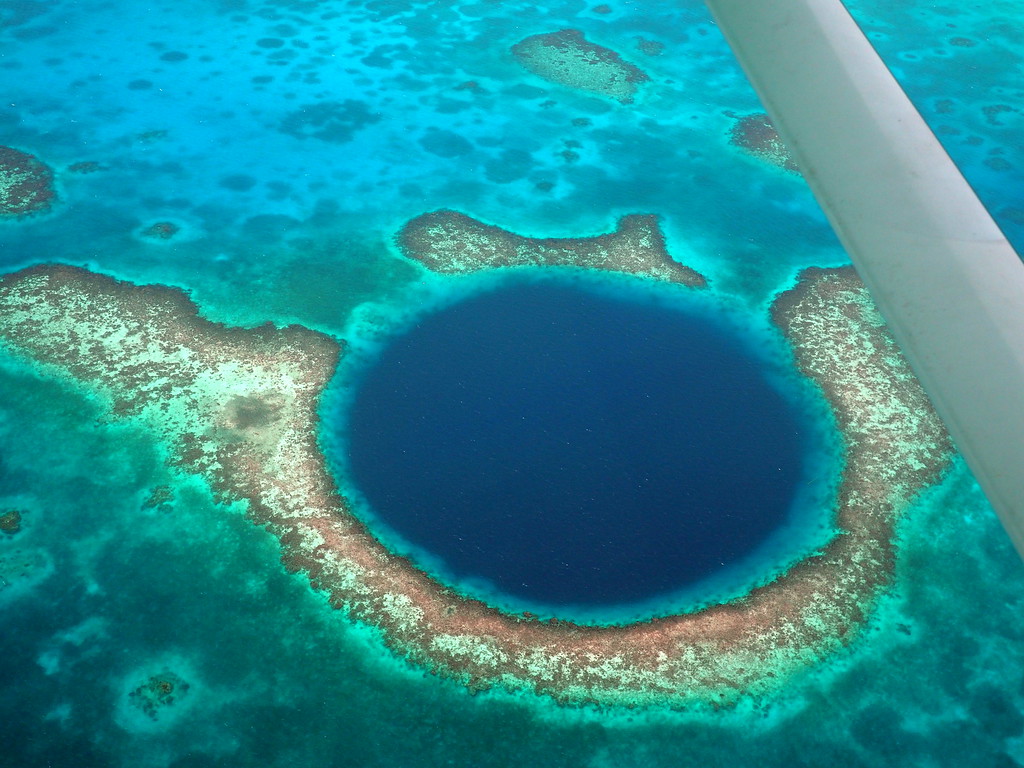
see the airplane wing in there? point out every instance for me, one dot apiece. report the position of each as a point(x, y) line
point(947, 282)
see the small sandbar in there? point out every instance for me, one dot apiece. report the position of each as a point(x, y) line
point(566, 57)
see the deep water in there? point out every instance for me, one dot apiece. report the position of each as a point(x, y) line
point(289, 141)
point(569, 448)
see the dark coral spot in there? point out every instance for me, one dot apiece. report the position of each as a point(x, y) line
point(445, 143)
point(513, 164)
point(159, 498)
point(251, 412)
point(470, 85)
point(161, 230)
point(237, 182)
point(649, 47)
point(33, 33)
point(158, 693)
point(10, 521)
point(332, 121)
point(26, 184)
point(994, 708)
point(156, 134)
point(878, 728)
point(174, 56)
point(998, 163)
point(18, 13)
point(85, 166)
point(1014, 214)
point(992, 112)
point(382, 56)
point(270, 228)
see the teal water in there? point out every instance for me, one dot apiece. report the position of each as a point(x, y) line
point(960, 64)
point(290, 141)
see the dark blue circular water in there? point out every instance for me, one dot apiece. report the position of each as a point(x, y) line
point(571, 448)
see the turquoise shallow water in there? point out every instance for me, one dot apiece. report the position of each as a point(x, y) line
point(290, 141)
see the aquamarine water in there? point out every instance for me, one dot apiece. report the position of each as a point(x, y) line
point(289, 141)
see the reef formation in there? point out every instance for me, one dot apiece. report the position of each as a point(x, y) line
point(159, 693)
point(85, 167)
point(26, 184)
point(239, 407)
point(161, 230)
point(566, 57)
point(756, 135)
point(451, 242)
point(10, 521)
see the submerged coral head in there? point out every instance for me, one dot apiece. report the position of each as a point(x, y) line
point(26, 184)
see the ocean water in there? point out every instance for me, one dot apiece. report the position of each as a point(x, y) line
point(561, 449)
point(960, 65)
point(289, 142)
